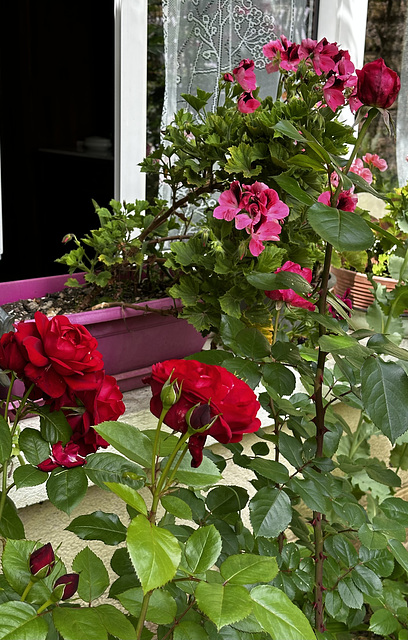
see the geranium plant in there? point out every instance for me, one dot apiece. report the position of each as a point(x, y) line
point(320, 552)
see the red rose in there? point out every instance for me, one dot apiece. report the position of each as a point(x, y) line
point(377, 85)
point(228, 397)
point(59, 354)
point(11, 356)
point(42, 561)
point(67, 456)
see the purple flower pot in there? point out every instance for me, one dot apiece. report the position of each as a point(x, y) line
point(129, 340)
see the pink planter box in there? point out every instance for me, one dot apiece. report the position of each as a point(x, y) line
point(129, 340)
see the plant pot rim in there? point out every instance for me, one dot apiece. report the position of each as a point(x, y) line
point(363, 275)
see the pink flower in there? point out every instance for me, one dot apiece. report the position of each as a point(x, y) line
point(346, 200)
point(63, 456)
point(283, 53)
point(289, 295)
point(255, 208)
point(245, 76)
point(376, 161)
point(333, 93)
point(247, 103)
point(228, 77)
point(358, 168)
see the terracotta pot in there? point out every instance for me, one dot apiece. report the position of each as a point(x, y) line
point(129, 340)
point(359, 285)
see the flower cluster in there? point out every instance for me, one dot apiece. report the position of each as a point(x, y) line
point(59, 361)
point(255, 208)
point(330, 64)
point(209, 395)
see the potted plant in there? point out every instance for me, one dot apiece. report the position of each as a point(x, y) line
point(322, 554)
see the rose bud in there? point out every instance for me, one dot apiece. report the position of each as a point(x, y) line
point(199, 417)
point(70, 580)
point(170, 393)
point(42, 561)
point(377, 85)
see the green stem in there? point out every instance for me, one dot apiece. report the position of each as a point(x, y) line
point(176, 466)
point(370, 116)
point(3, 489)
point(26, 590)
point(276, 325)
point(9, 390)
point(142, 617)
point(44, 606)
point(156, 496)
point(21, 408)
point(156, 444)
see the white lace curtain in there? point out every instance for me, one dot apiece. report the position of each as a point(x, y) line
point(205, 38)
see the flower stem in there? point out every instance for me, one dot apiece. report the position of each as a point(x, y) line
point(156, 496)
point(26, 590)
point(142, 617)
point(3, 488)
point(44, 606)
point(370, 116)
point(156, 444)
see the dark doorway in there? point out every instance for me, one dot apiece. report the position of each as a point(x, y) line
point(56, 126)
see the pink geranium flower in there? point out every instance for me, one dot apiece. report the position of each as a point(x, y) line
point(376, 161)
point(346, 200)
point(247, 103)
point(244, 75)
point(283, 54)
point(229, 203)
point(289, 295)
point(358, 167)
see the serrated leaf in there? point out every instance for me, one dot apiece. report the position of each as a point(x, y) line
point(399, 552)
point(162, 607)
point(129, 495)
point(345, 230)
point(223, 604)
point(29, 476)
point(351, 596)
point(99, 526)
point(155, 553)
point(93, 576)
point(241, 159)
point(54, 425)
point(291, 186)
point(128, 440)
point(279, 377)
point(279, 616)
point(247, 569)
point(111, 467)
point(10, 524)
point(75, 624)
point(115, 622)
point(19, 620)
point(270, 512)
point(66, 488)
point(384, 391)
point(33, 445)
point(370, 538)
point(383, 622)
point(205, 475)
point(367, 581)
point(270, 469)
point(203, 549)
point(176, 507)
point(281, 280)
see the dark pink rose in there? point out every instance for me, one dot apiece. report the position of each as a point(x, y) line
point(377, 85)
point(59, 354)
point(247, 103)
point(42, 561)
point(289, 295)
point(11, 356)
point(227, 397)
point(67, 456)
point(70, 580)
point(244, 75)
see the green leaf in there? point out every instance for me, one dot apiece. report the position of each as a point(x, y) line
point(279, 616)
point(311, 493)
point(19, 621)
point(203, 549)
point(128, 440)
point(251, 343)
point(226, 499)
point(129, 495)
point(399, 552)
point(370, 538)
point(162, 607)
point(270, 469)
point(155, 553)
point(381, 344)
point(304, 160)
point(77, 624)
point(93, 576)
point(176, 507)
point(383, 622)
point(66, 488)
point(203, 476)
point(345, 230)
point(187, 630)
point(281, 280)
point(110, 467)
point(115, 622)
point(342, 549)
point(384, 391)
point(99, 526)
point(54, 426)
point(29, 476)
point(5, 440)
point(279, 377)
point(286, 128)
point(351, 596)
point(247, 569)
point(291, 186)
point(10, 524)
point(241, 159)
point(270, 512)
point(396, 509)
point(223, 604)
point(367, 581)
point(33, 445)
